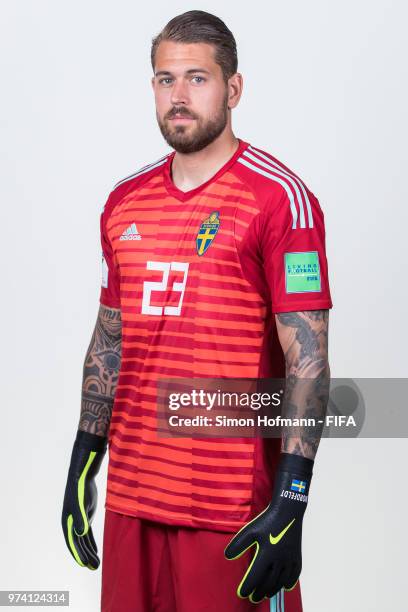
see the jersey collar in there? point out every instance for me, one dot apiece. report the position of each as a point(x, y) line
point(185, 195)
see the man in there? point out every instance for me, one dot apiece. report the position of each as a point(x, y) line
point(213, 265)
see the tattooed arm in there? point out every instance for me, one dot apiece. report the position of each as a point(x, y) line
point(277, 530)
point(101, 372)
point(100, 378)
point(304, 340)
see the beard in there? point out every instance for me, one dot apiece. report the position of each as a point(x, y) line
point(205, 132)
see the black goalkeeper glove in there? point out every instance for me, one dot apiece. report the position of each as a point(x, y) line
point(277, 533)
point(81, 497)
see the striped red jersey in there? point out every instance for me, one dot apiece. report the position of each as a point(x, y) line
point(198, 276)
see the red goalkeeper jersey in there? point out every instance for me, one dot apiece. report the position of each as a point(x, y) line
point(198, 276)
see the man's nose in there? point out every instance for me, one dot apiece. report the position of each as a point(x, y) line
point(179, 92)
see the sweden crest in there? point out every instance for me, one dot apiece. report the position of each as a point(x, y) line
point(207, 232)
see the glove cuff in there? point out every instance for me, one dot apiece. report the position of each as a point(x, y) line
point(295, 464)
point(91, 442)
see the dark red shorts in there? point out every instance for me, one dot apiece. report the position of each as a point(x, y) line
point(150, 567)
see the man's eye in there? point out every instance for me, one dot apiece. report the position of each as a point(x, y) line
point(165, 80)
point(200, 79)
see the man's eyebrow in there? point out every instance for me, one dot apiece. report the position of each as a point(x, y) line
point(190, 71)
point(197, 70)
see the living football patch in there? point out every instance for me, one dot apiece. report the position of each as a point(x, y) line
point(302, 272)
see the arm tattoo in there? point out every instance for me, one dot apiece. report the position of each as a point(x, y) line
point(304, 339)
point(101, 372)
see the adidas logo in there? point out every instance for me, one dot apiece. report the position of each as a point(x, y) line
point(131, 233)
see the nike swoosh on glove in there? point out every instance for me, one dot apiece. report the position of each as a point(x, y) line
point(276, 532)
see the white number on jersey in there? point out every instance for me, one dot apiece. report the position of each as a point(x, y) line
point(149, 286)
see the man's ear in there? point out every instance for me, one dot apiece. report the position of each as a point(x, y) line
point(235, 85)
point(152, 82)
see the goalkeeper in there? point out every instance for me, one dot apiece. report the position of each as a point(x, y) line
point(213, 263)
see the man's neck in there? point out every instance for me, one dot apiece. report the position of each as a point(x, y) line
point(193, 169)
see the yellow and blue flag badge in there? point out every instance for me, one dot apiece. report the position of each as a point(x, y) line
point(207, 232)
point(298, 485)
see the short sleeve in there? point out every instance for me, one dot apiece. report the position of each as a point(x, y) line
point(110, 282)
point(293, 251)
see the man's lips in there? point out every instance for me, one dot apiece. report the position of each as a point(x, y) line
point(180, 118)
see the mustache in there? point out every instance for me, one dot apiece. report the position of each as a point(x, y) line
point(180, 110)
